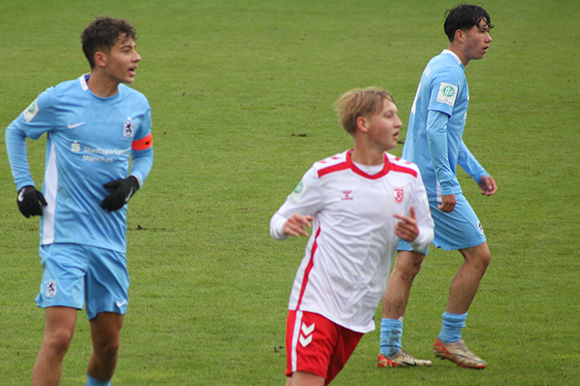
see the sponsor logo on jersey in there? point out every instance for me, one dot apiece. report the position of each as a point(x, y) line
point(480, 227)
point(75, 146)
point(97, 154)
point(447, 94)
point(31, 111)
point(398, 195)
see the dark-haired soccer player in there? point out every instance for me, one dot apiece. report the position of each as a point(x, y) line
point(94, 126)
point(434, 142)
point(358, 203)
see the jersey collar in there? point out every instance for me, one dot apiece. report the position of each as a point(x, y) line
point(449, 52)
point(83, 81)
point(354, 168)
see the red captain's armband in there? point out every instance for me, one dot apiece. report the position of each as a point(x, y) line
point(143, 143)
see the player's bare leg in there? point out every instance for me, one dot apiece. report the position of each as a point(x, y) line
point(466, 282)
point(106, 337)
point(58, 333)
point(406, 267)
point(394, 303)
point(449, 344)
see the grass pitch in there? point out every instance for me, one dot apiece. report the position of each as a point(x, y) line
point(242, 95)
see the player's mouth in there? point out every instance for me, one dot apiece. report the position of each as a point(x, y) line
point(132, 71)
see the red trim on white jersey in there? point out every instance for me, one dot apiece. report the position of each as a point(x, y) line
point(348, 164)
point(308, 269)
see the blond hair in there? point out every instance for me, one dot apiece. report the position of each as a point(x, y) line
point(360, 102)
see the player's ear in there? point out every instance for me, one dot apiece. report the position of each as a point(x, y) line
point(460, 36)
point(362, 124)
point(100, 59)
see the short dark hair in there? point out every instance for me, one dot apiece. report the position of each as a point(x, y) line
point(464, 17)
point(103, 34)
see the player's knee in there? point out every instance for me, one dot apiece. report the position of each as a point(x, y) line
point(484, 259)
point(416, 264)
point(408, 275)
point(413, 268)
point(408, 266)
point(106, 349)
point(58, 342)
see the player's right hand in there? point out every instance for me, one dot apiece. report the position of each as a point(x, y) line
point(295, 225)
point(30, 201)
point(448, 202)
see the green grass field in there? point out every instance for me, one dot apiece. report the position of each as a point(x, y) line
point(242, 95)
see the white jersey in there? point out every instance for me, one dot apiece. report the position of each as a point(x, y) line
point(344, 271)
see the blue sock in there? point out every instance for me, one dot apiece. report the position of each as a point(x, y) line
point(391, 333)
point(93, 382)
point(452, 326)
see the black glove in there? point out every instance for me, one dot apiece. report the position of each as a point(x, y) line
point(122, 191)
point(30, 201)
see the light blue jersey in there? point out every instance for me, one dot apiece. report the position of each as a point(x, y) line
point(89, 143)
point(436, 123)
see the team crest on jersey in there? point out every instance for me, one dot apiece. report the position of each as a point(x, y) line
point(128, 129)
point(31, 111)
point(398, 195)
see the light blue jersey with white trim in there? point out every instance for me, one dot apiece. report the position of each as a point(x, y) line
point(90, 141)
point(436, 124)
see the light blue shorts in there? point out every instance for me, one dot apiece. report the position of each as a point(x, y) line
point(459, 229)
point(75, 275)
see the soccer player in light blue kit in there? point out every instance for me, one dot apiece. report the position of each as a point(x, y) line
point(97, 128)
point(434, 142)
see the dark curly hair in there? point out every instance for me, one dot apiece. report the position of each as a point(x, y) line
point(102, 34)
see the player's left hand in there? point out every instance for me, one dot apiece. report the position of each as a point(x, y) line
point(407, 227)
point(121, 192)
point(30, 201)
point(487, 185)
